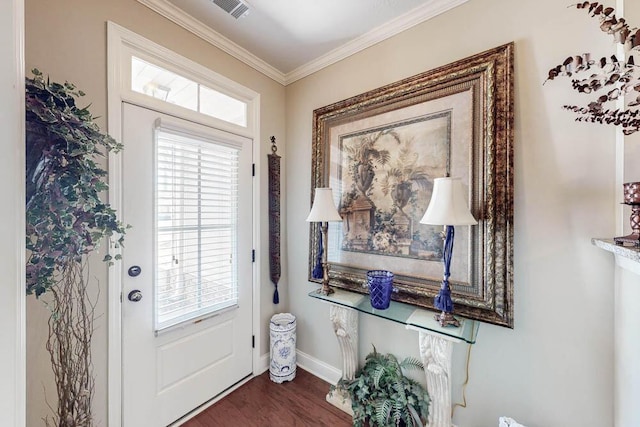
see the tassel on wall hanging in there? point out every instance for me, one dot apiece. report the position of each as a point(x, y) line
point(274, 218)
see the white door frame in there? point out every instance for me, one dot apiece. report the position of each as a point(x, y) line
point(121, 43)
point(12, 225)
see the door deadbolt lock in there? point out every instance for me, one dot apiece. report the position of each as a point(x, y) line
point(134, 271)
point(135, 295)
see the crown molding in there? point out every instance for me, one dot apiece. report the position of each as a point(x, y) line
point(387, 30)
point(189, 23)
point(375, 36)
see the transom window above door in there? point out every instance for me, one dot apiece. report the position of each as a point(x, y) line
point(159, 83)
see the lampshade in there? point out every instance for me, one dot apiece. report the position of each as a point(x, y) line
point(323, 208)
point(448, 205)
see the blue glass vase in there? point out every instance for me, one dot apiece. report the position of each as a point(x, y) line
point(380, 283)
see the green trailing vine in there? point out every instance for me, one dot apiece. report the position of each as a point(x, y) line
point(383, 396)
point(66, 219)
point(65, 222)
point(609, 78)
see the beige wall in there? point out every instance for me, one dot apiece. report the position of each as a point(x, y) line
point(555, 368)
point(67, 40)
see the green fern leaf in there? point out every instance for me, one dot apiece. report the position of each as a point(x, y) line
point(383, 410)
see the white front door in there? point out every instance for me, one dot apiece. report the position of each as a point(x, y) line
point(187, 276)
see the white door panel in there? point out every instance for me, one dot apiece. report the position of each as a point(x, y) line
point(169, 372)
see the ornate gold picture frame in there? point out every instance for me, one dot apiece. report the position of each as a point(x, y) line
point(380, 152)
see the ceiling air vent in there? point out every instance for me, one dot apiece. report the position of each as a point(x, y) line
point(235, 8)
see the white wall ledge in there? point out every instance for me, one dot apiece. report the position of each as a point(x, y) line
point(627, 257)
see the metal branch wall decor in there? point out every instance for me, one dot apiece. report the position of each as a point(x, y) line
point(607, 79)
point(274, 218)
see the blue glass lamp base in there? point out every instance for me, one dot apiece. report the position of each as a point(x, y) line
point(443, 300)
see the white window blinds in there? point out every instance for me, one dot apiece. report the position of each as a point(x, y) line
point(196, 198)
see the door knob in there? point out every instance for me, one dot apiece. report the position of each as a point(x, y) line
point(135, 295)
point(134, 271)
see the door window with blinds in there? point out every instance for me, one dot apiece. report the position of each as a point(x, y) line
point(196, 208)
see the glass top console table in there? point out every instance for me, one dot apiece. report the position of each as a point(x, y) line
point(411, 316)
point(436, 345)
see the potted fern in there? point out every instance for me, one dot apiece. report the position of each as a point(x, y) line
point(383, 396)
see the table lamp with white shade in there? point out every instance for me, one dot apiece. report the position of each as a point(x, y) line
point(447, 207)
point(323, 211)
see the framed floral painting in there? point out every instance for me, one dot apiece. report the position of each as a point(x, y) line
point(380, 152)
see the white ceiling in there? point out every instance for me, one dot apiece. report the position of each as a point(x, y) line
point(289, 39)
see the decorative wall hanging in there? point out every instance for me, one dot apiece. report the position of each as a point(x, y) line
point(380, 152)
point(274, 218)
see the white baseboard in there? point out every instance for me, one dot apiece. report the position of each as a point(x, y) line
point(309, 363)
point(318, 368)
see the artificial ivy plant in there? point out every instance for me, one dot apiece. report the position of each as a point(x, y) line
point(383, 396)
point(66, 219)
point(607, 79)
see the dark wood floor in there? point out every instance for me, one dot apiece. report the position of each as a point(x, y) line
point(263, 403)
